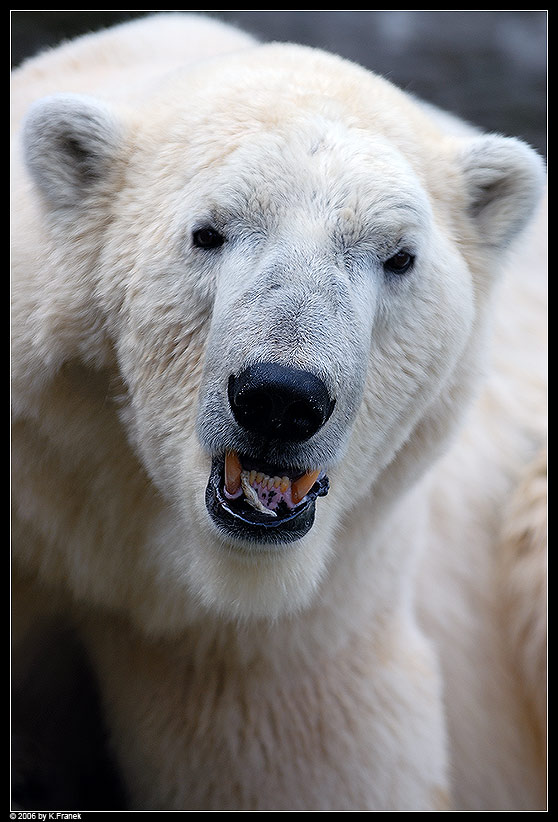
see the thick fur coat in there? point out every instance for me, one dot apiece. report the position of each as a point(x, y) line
point(192, 209)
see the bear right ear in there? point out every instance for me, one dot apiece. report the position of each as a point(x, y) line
point(70, 143)
point(504, 181)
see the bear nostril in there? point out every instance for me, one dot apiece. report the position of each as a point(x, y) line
point(279, 402)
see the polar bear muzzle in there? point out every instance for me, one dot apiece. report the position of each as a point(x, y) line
point(248, 497)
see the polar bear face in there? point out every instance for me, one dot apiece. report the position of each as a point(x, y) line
point(295, 288)
point(319, 258)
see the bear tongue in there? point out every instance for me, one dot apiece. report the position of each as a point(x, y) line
point(233, 479)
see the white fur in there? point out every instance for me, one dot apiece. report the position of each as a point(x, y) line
point(234, 676)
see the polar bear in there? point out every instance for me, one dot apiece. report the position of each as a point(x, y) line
point(264, 451)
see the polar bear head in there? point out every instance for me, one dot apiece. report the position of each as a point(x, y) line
point(290, 265)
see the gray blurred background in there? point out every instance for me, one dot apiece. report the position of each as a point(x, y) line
point(487, 66)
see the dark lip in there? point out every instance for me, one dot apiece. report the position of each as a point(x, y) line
point(241, 522)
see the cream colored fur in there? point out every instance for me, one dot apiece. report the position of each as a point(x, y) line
point(394, 657)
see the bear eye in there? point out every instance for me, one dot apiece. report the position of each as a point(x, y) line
point(207, 237)
point(400, 263)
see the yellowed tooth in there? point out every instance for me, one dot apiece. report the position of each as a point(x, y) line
point(252, 477)
point(276, 482)
point(285, 482)
point(303, 484)
point(233, 470)
point(259, 477)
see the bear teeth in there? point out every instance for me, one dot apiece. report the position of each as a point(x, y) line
point(233, 471)
point(302, 485)
point(261, 491)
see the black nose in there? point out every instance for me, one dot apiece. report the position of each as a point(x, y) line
point(279, 402)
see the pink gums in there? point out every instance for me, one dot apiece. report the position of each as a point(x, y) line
point(270, 497)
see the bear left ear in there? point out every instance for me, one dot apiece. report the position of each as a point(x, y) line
point(504, 180)
point(70, 144)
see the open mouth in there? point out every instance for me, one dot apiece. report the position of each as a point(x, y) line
point(261, 502)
